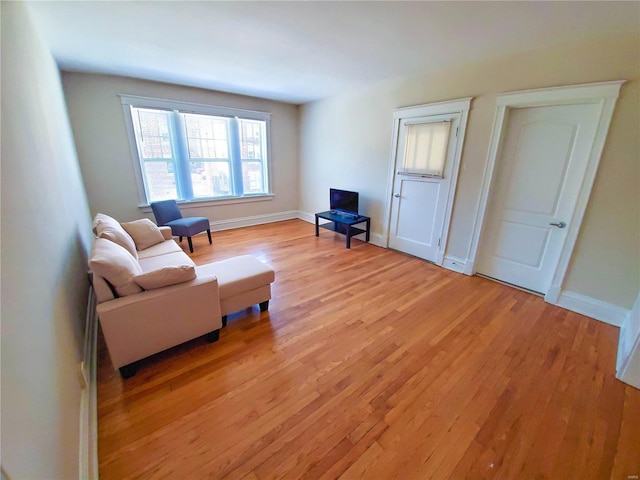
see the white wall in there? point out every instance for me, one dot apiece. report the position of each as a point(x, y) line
point(45, 234)
point(97, 120)
point(345, 143)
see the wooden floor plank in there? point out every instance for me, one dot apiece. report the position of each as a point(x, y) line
point(373, 364)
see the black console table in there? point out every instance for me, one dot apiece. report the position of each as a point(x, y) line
point(343, 223)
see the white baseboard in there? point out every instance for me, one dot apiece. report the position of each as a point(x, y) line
point(628, 362)
point(594, 308)
point(553, 294)
point(307, 217)
point(378, 240)
point(219, 225)
point(454, 263)
point(469, 267)
point(629, 369)
point(88, 449)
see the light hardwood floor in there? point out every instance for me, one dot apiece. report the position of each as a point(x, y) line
point(372, 364)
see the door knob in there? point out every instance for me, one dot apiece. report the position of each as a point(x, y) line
point(559, 225)
point(397, 195)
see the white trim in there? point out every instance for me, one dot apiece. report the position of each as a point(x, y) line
point(464, 116)
point(629, 369)
point(378, 240)
point(231, 223)
point(469, 267)
point(553, 294)
point(436, 108)
point(459, 107)
point(134, 157)
point(628, 359)
point(487, 179)
point(88, 449)
point(307, 217)
point(604, 93)
point(211, 202)
point(594, 308)
point(454, 263)
point(568, 94)
point(390, 180)
point(191, 107)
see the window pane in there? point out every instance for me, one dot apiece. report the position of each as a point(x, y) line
point(252, 178)
point(207, 136)
point(160, 180)
point(153, 133)
point(195, 148)
point(426, 148)
point(252, 134)
point(210, 179)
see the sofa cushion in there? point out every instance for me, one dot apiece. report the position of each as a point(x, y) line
point(107, 227)
point(165, 276)
point(168, 246)
point(116, 265)
point(238, 274)
point(144, 233)
point(170, 259)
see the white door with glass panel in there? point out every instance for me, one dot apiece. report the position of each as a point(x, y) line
point(424, 163)
point(539, 174)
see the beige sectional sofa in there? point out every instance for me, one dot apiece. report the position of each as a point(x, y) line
point(151, 296)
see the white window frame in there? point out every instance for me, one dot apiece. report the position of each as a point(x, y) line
point(129, 101)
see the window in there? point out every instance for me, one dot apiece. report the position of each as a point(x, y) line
point(195, 152)
point(426, 149)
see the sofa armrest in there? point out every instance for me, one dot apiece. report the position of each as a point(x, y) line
point(139, 325)
point(166, 232)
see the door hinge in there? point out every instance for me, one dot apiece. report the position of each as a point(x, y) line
point(439, 241)
point(457, 129)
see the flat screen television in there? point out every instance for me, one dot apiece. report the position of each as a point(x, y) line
point(343, 201)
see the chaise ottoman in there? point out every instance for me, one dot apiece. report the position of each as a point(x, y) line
point(242, 282)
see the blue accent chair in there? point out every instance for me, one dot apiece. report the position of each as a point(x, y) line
point(168, 214)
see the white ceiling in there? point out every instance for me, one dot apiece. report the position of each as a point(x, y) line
point(302, 51)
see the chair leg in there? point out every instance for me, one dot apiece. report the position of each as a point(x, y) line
point(190, 245)
point(129, 370)
point(213, 336)
point(209, 235)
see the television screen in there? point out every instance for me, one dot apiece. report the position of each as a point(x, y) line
point(343, 201)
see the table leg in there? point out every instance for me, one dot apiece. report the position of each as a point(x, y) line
point(348, 236)
point(368, 228)
point(317, 231)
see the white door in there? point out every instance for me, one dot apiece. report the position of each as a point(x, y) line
point(420, 194)
point(539, 173)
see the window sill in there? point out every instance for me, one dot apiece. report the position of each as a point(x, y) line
point(210, 202)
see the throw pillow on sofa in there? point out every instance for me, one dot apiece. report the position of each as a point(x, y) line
point(165, 276)
point(116, 265)
point(109, 228)
point(144, 233)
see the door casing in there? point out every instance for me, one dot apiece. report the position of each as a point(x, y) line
point(605, 94)
point(460, 106)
